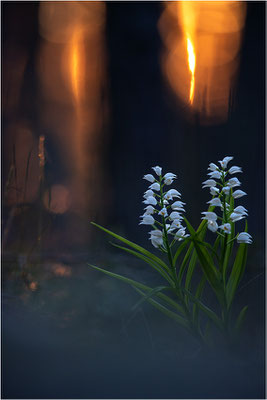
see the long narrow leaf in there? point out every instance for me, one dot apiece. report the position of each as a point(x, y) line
point(211, 314)
point(190, 271)
point(206, 264)
point(166, 311)
point(135, 246)
point(148, 261)
point(149, 295)
point(236, 273)
point(179, 251)
point(240, 319)
point(139, 285)
point(198, 295)
point(184, 263)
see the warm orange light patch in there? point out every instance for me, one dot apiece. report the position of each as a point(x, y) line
point(192, 66)
point(75, 64)
point(201, 56)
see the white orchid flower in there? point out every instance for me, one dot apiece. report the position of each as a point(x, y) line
point(157, 170)
point(149, 193)
point(226, 227)
point(216, 202)
point(178, 203)
point(212, 167)
point(169, 178)
point(163, 212)
point(176, 224)
point(214, 190)
point(171, 193)
point(241, 210)
point(209, 216)
point(175, 215)
point(226, 189)
point(209, 183)
point(215, 174)
point(149, 178)
point(238, 193)
point(225, 161)
point(236, 217)
point(233, 182)
point(234, 170)
point(155, 186)
point(147, 220)
point(178, 206)
point(149, 210)
point(212, 225)
point(156, 238)
point(180, 234)
point(244, 237)
point(151, 201)
point(175, 208)
point(165, 202)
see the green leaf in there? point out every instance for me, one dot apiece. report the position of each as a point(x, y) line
point(198, 235)
point(240, 319)
point(179, 251)
point(206, 262)
point(211, 314)
point(185, 261)
point(236, 273)
point(148, 261)
point(139, 285)
point(135, 246)
point(208, 246)
point(190, 271)
point(166, 311)
point(198, 295)
point(149, 295)
point(216, 243)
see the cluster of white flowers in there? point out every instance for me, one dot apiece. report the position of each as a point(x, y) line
point(222, 191)
point(163, 204)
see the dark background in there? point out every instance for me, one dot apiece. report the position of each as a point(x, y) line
point(72, 338)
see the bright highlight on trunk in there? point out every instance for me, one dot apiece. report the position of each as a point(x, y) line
point(75, 65)
point(202, 42)
point(192, 66)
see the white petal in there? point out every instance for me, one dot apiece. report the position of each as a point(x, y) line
point(238, 193)
point(215, 174)
point(149, 178)
point(233, 182)
point(150, 200)
point(240, 210)
point(175, 215)
point(226, 189)
point(147, 220)
point(214, 191)
point(215, 202)
point(244, 237)
point(157, 169)
point(236, 217)
point(209, 215)
point(226, 228)
point(212, 167)
point(212, 225)
point(234, 170)
point(155, 186)
point(209, 183)
point(148, 193)
point(149, 210)
point(169, 175)
point(163, 212)
point(225, 161)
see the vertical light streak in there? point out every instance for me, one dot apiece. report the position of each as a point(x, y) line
point(192, 66)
